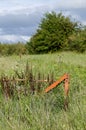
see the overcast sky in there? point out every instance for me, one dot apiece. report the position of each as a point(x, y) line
point(19, 19)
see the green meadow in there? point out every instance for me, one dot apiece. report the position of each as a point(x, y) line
point(46, 111)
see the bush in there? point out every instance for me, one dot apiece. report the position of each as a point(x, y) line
point(78, 42)
point(11, 49)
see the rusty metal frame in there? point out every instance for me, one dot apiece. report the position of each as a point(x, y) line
point(64, 78)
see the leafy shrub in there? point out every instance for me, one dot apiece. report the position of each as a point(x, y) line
point(10, 49)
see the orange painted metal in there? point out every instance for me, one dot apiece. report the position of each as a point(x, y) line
point(64, 78)
point(66, 85)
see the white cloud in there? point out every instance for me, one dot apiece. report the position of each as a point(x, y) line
point(84, 22)
point(26, 38)
point(14, 38)
point(27, 8)
point(70, 4)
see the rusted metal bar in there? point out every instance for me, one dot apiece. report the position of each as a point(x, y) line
point(65, 76)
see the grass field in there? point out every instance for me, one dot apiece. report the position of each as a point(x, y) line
point(45, 111)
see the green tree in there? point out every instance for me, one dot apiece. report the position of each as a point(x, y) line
point(77, 41)
point(52, 34)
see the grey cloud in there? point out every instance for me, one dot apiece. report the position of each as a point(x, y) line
point(19, 31)
point(18, 20)
point(80, 12)
point(25, 21)
point(22, 24)
point(77, 14)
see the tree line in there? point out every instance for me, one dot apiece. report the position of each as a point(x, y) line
point(13, 49)
point(55, 32)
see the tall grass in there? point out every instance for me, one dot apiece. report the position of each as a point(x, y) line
point(45, 111)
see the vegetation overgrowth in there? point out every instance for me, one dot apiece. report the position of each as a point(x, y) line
point(45, 111)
